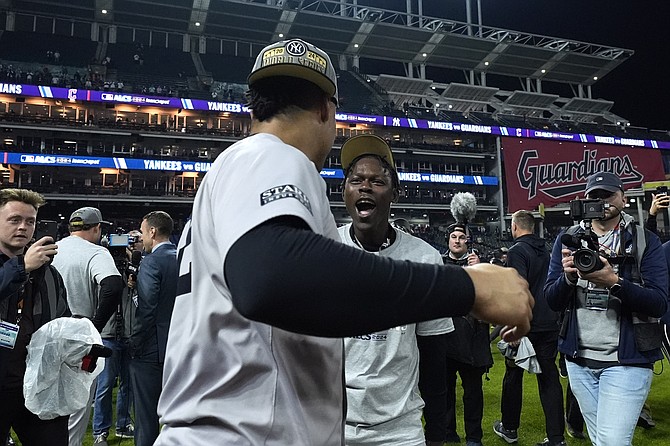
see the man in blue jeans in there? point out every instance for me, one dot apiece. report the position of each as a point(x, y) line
point(610, 342)
point(115, 336)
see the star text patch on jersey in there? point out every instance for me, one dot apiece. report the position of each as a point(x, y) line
point(285, 191)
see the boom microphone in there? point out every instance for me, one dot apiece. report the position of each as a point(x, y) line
point(463, 207)
point(571, 241)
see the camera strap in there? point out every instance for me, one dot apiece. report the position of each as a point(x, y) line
point(119, 323)
point(639, 246)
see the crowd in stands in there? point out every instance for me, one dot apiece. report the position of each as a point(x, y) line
point(228, 92)
point(49, 75)
point(135, 68)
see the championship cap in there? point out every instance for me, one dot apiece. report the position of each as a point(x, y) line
point(605, 181)
point(296, 58)
point(87, 216)
point(365, 144)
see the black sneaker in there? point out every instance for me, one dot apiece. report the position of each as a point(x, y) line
point(100, 440)
point(645, 421)
point(509, 435)
point(546, 442)
point(452, 437)
point(127, 432)
point(574, 433)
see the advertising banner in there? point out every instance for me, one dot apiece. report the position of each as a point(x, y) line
point(553, 172)
point(177, 165)
point(74, 94)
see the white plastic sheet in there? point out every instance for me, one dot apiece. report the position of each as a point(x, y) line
point(54, 384)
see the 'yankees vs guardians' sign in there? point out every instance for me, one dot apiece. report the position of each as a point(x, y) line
point(552, 172)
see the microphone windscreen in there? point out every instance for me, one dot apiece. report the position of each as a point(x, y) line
point(136, 257)
point(463, 207)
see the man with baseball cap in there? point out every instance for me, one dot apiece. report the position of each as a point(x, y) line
point(255, 355)
point(604, 181)
point(609, 335)
point(382, 368)
point(94, 286)
point(466, 351)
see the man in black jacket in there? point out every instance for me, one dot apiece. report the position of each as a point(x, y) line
point(31, 294)
point(530, 258)
point(467, 352)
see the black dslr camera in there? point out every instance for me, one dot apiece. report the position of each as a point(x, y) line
point(586, 256)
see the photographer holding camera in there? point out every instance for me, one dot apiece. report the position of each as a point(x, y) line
point(659, 201)
point(115, 336)
point(609, 276)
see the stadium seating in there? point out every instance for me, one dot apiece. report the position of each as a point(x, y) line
point(73, 51)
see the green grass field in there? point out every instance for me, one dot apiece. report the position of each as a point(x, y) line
point(532, 431)
point(532, 419)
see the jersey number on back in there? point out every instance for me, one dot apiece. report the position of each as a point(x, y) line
point(184, 258)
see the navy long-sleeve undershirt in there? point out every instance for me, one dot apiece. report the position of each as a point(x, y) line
point(283, 274)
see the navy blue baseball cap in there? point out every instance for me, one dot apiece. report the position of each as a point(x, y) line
point(605, 181)
point(454, 227)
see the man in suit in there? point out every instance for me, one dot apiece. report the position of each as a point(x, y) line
point(156, 292)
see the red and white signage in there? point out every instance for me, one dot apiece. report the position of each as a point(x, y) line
point(552, 172)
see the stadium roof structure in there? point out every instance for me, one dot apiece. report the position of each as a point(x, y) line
point(343, 28)
point(465, 98)
point(586, 110)
point(523, 103)
point(403, 89)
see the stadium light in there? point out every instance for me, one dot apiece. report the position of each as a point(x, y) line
point(281, 35)
point(197, 23)
point(595, 78)
point(104, 11)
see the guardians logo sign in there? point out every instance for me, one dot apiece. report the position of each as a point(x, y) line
point(552, 172)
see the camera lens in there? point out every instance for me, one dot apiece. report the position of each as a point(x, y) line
point(587, 260)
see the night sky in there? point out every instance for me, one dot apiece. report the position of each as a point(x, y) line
point(639, 87)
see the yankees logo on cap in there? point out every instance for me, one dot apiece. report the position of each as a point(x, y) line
point(295, 48)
